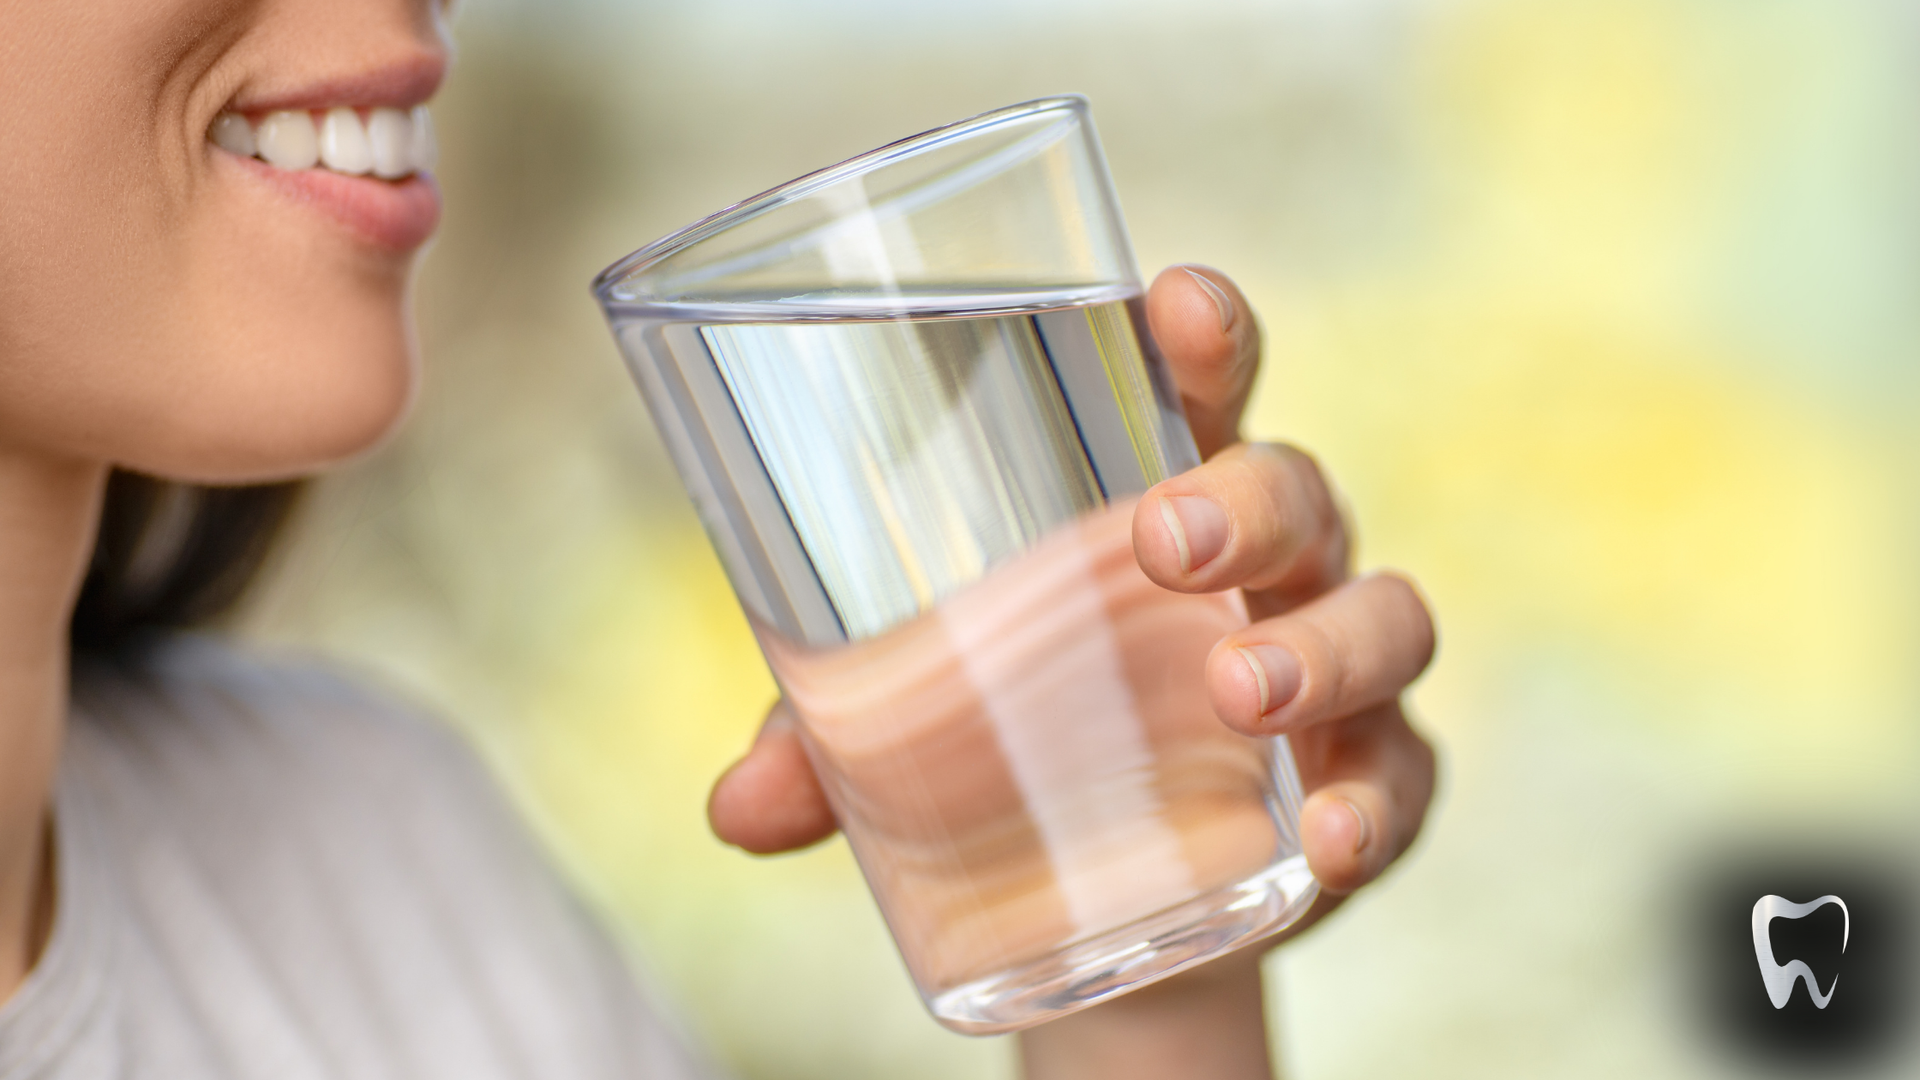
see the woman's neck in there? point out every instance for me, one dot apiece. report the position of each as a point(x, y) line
point(48, 511)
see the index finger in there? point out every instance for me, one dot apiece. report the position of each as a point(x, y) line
point(1258, 516)
point(1206, 331)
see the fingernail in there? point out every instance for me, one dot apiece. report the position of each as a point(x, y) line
point(1275, 671)
point(1361, 833)
point(1198, 528)
point(1222, 303)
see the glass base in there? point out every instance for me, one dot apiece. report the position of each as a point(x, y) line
point(1133, 956)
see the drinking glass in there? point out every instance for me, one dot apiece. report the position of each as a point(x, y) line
point(915, 402)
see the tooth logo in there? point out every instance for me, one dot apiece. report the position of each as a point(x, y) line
point(1780, 978)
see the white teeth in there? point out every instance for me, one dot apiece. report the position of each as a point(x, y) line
point(343, 143)
point(287, 140)
point(390, 143)
point(426, 149)
point(391, 135)
point(232, 133)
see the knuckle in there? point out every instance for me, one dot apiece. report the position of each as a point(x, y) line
point(1303, 496)
point(1407, 612)
point(1325, 661)
point(1401, 586)
point(1352, 686)
point(1304, 469)
point(1271, 484)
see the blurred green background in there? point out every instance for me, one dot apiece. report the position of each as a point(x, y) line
point(1603, 314)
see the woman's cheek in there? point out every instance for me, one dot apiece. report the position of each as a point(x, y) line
point(216, 380)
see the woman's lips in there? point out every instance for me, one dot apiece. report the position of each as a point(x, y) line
point(395, 214)
point(366, 168)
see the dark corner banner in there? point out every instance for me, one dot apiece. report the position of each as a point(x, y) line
point(1802, 958)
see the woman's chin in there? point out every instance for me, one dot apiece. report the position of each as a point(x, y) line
point(275, 444)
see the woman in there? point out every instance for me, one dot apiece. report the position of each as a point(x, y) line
point(215, 867)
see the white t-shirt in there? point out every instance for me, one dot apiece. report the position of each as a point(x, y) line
point(266, 873)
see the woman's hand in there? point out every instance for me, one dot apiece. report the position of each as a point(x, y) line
point(1328, 654)
point(1324, 663)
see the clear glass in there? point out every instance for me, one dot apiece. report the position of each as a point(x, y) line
point(914, 399)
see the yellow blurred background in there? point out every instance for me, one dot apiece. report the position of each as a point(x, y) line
point(1603, 314)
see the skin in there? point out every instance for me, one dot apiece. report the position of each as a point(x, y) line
point(164, 308)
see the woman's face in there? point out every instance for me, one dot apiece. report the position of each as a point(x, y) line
point(172, 306)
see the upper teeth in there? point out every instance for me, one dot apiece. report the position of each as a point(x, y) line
point(389, 143)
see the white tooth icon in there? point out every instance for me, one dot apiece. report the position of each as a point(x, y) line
point(343, 143)
point(287, 140)
point(391, 134)
point(1778, 977)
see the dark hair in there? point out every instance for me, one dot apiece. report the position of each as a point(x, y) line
point(172, 555)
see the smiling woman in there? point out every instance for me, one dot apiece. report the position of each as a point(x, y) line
point(236, 868)
point(266, 304)
point(221, 865)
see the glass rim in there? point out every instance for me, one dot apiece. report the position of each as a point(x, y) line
point(801, 186)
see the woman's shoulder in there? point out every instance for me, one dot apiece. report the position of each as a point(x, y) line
point(271, 775)
point(247, 761)
point(228, 708)
point(261, 746)
point(355, 856)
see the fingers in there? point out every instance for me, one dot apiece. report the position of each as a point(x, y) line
point(1354, 648)
point(1371, 778)
point(1206, 332)
point(770, 801)
point(1256, 516)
